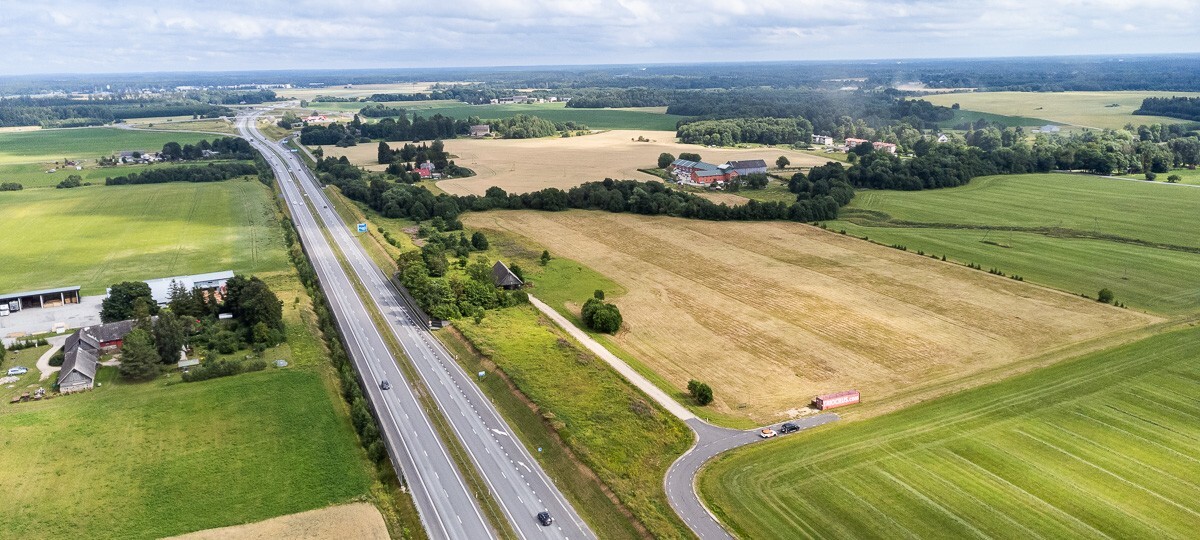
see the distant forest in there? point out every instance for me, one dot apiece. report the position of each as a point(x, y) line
point(69, 112)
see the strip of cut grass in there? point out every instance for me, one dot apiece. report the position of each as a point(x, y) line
point(621, 434)
point(1101, 445)
point(208, 454)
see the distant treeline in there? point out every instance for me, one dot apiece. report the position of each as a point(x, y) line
point(1186, 108)
point(388, 129)
point(381, 111)
point(213, 172)
point(523, 126)
point(598, 98)
point(68, 112)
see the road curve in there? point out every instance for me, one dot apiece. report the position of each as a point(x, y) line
point(680, 482)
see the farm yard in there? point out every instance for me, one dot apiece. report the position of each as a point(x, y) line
point(99, 235)
point(771, 314)
point(523, 165)
point(1072, 232)
point(1083, 109)
point(1101, 446)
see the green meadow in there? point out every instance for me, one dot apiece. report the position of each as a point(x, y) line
point(158, 459)
point(1101, 446)
point(1101, 110)
point(555, 112)
point(95, 236)
point(50, 145)
point(1071, 232)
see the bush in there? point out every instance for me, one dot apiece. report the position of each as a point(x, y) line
point(1174, 178)
point(11, 186)
point(72, 181)
point(1151, 176)
point(601, 317)
point(701, 392)
point(222, 368)
point(1106, 296)
point(57, 359)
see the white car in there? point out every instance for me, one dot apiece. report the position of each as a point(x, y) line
point(767, 433)
point(18, 370)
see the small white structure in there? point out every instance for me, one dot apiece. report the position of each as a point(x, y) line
point(824, 140)
point(1050, 128)
point(160, 288)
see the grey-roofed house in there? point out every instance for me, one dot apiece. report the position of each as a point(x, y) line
point(81, 354)
point(479, 130)
point(505, 278)
point(747, 166)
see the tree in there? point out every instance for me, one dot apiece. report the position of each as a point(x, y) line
point(701, 392)
point(139, 360)
point(1106, 296)
point(601, 317)
point(72, 181)
point(599, 294)
point(385, 154)
point(665, 160)
point(545, 257)
point(119, 304)
point(1174, 178)
point(182, 302)
point(689, 156)
point(1151, 176)
point(479, 241)
point(517, 271)
point(168, 336)
point(435, 259)
point(3, 352)
point(782, 162)
point(255, 303)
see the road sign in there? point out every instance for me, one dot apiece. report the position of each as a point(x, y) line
point(362, 227)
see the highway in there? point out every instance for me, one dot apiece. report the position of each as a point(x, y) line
point(517, 483)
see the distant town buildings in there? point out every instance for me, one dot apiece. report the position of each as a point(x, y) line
point(851, 143)
point(824, 140)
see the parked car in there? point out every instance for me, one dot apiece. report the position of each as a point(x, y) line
point(384, 385)
point(788, 428)
point(544, 518)
point(767, 433)
point(17, 370)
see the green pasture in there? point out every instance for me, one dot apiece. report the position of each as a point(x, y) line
point(34, 175)
point(50, 145)
point(158, 459)
point(1074, 233)
point(961, 116)
point(1102, 446)
point(625, 438)
point(99, 235)
point(558, 112)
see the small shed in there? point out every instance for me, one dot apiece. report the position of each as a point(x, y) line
point(505, 278)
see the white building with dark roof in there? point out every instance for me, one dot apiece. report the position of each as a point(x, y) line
point(160, 288)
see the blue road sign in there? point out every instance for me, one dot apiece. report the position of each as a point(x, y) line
point(362, 227)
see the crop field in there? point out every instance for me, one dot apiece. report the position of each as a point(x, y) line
point(961, 116)
point(157, 459)
point(1099, 447)
point(50, 145)
point(558, 112)
point(357, 90)
point(1083, 109)
point(1072, 232)
point(523, 165)
point(771, 314)
point(96, 236)
point(355, 106)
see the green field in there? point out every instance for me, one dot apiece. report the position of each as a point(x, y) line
point(96, 236)
point(557, 112)
point(1084, 109)
point(961, 116)
point(621, 435)
point(50, 145)
point(1102, 446)
point(157, 459)
point(1075, 233)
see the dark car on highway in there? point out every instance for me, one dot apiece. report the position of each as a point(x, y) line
point(385, 385)
point(545, 519)
point(788, 428)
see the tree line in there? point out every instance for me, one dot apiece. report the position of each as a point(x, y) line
point(1186, 108)
point(219, 148)
point(728, 132)
point(213, 172)
point(62, 112)
point(387, 129)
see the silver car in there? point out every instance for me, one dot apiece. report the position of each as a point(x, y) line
point(18, 370)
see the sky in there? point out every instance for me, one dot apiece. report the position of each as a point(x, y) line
point(75, 36)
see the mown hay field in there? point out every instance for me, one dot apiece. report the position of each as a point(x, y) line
point(771, 314)
point(1099, 447)
point(1083, 109)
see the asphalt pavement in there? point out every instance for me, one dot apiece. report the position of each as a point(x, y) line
point(516, 481)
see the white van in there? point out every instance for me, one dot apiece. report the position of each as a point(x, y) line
point(3, 310)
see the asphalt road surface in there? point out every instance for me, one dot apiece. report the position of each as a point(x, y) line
point(517, 483)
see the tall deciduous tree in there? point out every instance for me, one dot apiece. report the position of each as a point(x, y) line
point(119, 304)
point(665, 160)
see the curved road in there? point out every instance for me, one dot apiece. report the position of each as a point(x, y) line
point(680, 483)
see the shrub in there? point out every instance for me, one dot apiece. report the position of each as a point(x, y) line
point(701, 392)
point(57, 359)
point(601, 317)
point(1174, 178)
point(1106, 296)
point(11, 186)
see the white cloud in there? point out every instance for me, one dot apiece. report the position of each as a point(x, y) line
point(95, 36)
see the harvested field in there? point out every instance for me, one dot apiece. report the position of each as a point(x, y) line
point(771, 314)
point(523, 165)
point(355, 520)
point(1101, 110)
